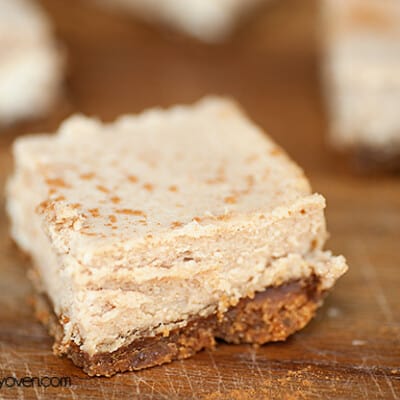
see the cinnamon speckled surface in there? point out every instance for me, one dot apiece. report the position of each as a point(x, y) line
point(117, 65)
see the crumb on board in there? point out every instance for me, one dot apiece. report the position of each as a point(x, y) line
point(333, 312)
point(358, 342)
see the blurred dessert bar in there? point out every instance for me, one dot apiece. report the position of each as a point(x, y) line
point(30, 62)
point(207, 20)
point(362, 77)
point(154, 235)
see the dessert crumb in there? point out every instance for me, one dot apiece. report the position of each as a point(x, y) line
point(333, 312)
point(133, 178)
point(115, 199)
point(358, 342)
point(230, 200)
point(94, 212)
point(58, 182)
point(88, 176)
point(128, 211)
point(102, 189)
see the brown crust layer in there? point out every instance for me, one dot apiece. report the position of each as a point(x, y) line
point(272, 315)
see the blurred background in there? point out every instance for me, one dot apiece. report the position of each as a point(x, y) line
point(116, 63)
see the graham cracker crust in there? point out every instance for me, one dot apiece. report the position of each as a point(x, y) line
point(272, 315)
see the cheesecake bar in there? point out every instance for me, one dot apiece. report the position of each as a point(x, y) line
point(207, 20)
point(361, 64)
point(154, 235)
point(30, 62)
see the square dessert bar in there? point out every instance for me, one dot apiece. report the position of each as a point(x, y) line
point(361, 47)
point(207, 20)
point(154, 235)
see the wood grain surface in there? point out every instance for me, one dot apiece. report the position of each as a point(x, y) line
point(117, 65)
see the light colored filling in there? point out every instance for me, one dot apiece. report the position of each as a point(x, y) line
point(104, 307)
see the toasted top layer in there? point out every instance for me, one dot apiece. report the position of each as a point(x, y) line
point(161, 171)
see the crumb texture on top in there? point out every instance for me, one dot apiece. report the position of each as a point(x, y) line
point(157, 218)
point(157, 171)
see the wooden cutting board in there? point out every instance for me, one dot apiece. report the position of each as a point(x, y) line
point(117, 65)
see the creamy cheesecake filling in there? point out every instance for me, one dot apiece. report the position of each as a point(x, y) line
point(103, 308)
point(173, 303)
point(173, 254)
point(137, 227)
